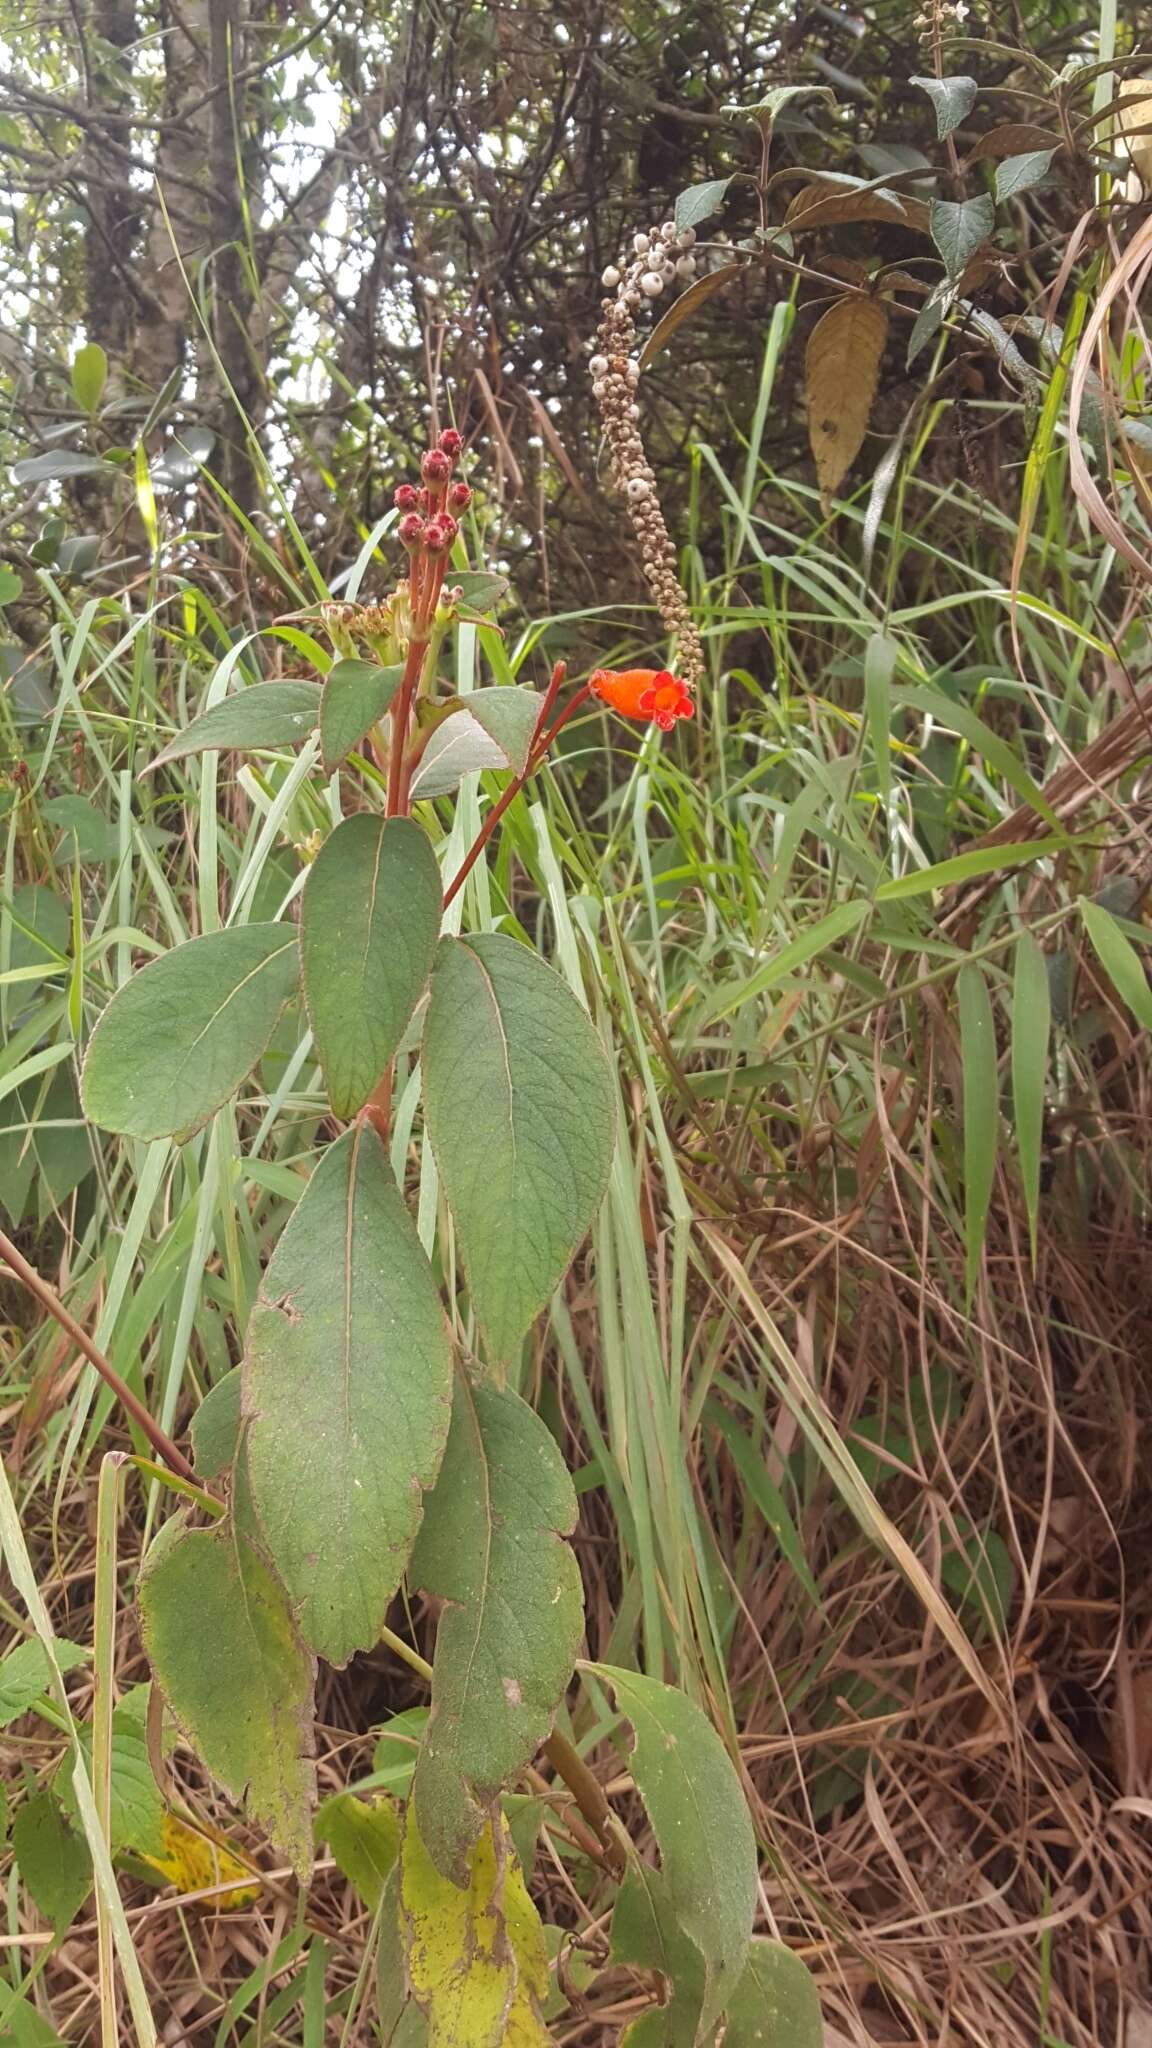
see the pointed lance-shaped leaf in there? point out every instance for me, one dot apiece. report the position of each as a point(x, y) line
point(237, 1678)
point(261, 716)
point(347, 1393)
point(701, 1822)
point(521, 1113)
point(491, 1547)
point(355, 695)
point(369, 923)
point(177, 1040)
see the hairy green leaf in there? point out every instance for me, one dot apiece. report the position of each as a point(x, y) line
point(699, 202)
point(355, 695)
point(959, 227)
point(952, 98)
point(347, 1388)
point(364, 1837)
point(54, 1861)
point(369, 923)
point(489, 729)
point(701, 1822)
point(233, 1670)
point(263, 715)
point(216, 1426)
point(177, 1040)
point(646, 1934)
point(491, 1547)
point(520, 1111)
point(25, 1673)
point(1019, 173)
point(775, 2004)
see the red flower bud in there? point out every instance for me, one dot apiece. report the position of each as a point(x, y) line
point(405, 497)
point(653, 693)
point(450, 442)
point(459, 496)
point(424, 499)
point(439, 535)
point(412, 530)
point(435, 468)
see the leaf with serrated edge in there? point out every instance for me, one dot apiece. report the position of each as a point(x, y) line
point(841, 368)
point(235, 1674)
point(521, 1114)
point(25, 1673)
point(775, 2004)
point(347, 1389)
point(476, 1958)
point(263, 715)
point(701, 1822)
point(491, 1547)
point(177, 1040)
point(369, 923)
point(355, 695)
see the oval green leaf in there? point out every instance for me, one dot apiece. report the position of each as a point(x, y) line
point(489, 729)
point(491, 1547)
point(263, 715)
point(776, 2004)
point(177, 1040)
point(355, 695)
point(347, 1392)
point(521, 1114)
point(54, 1862)
point(701, 1822)
point(233, 1670)
point(369, 923)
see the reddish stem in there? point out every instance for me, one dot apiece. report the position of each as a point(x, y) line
point(401, 714)
point(161, 1444)
point(535, 757)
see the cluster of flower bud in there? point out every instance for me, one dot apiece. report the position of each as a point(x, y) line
point(659, 257)
point(428, 524)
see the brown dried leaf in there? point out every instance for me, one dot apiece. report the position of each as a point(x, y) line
point(841, 367)
point(682, 308)
point(1015, 138)
point(816, 207)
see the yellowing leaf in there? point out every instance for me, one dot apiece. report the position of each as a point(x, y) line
point(194, 1858)
point(841, 366)
point(1134, 128)
point(476, 1957)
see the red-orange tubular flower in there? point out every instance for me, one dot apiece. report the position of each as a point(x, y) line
point(653, 693)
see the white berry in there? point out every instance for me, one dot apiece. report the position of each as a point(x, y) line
point(638, 487)
point(611, 277)
point(652, 284)
point(640, 244)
